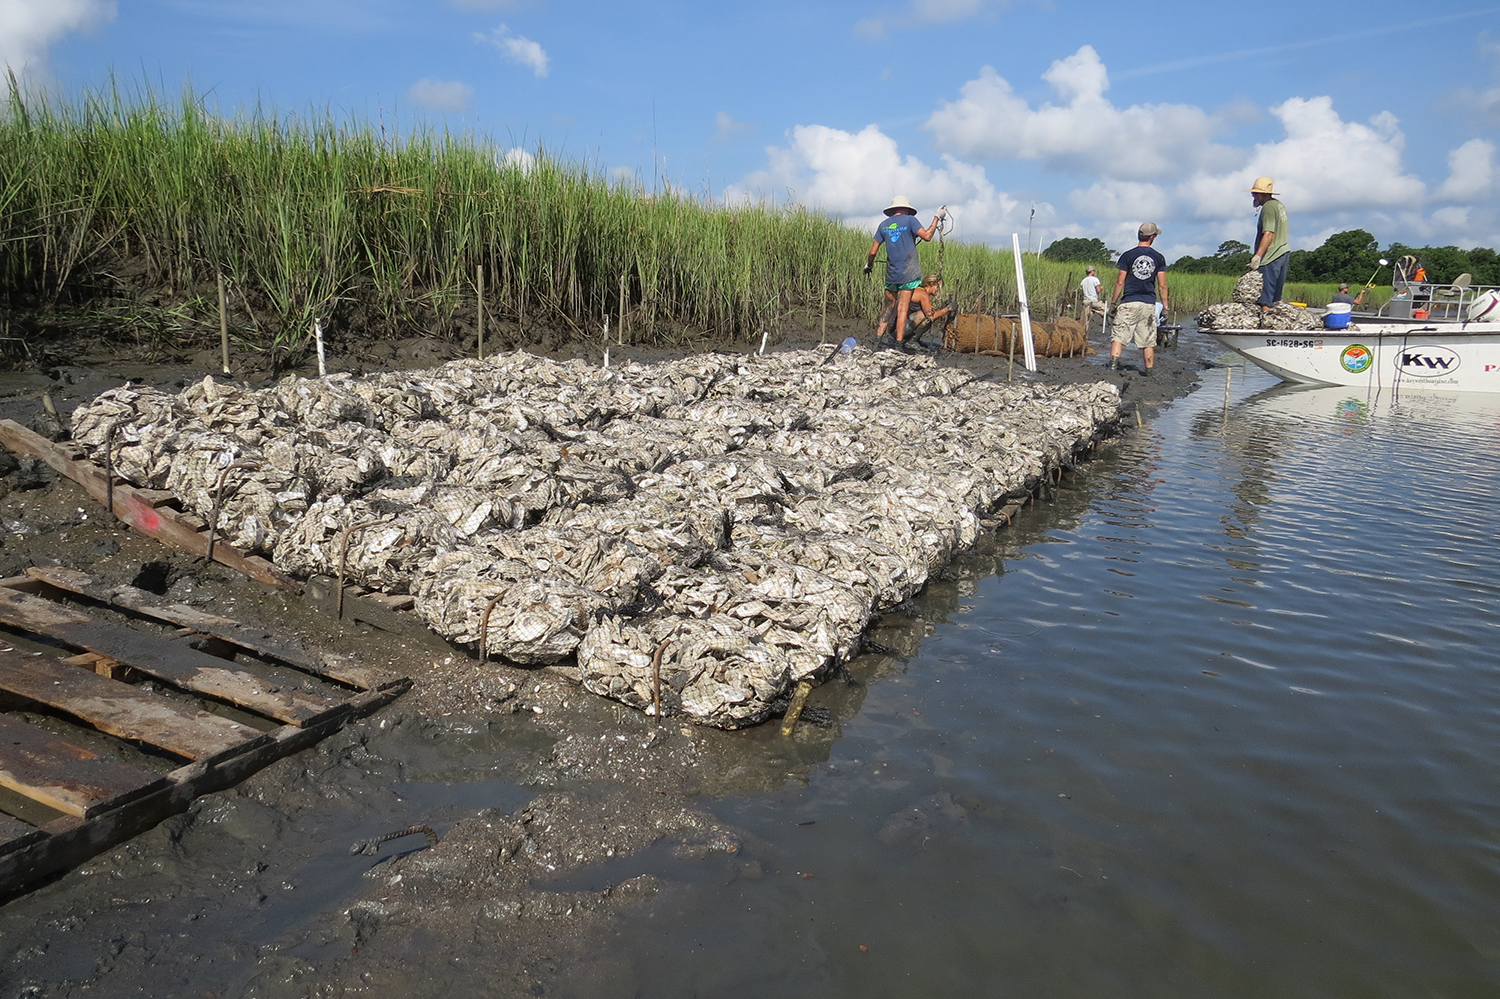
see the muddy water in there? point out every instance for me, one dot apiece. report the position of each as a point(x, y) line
point(1216, 721)
point(1224, 726)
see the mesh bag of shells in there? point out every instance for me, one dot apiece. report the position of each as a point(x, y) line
point(691, 537)
point(1243, 313)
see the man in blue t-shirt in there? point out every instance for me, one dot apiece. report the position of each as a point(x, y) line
point(1143, 271)
point(903, 271)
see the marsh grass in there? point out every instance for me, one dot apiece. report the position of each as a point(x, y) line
point(312, 217)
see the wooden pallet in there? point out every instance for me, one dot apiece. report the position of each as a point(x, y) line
point(153, 512)
point(158, 514)
point(61, 801)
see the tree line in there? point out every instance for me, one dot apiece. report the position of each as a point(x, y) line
point(1351, 256)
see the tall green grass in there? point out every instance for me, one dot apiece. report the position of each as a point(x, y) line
point(312, 217)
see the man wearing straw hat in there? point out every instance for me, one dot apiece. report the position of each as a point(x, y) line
point(1273, 250)
point(903, 271)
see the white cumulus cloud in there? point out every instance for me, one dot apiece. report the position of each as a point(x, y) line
point(518, 159)
point(1323, 164)
point(1131, 200)
point(441, 95)
point(28, 28)
point(517, 49)
point(855, 174)
point(1471, 172)
point(1084, 132)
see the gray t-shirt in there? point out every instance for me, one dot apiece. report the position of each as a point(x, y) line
point(899, 234)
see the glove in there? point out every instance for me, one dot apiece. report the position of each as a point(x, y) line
point(942, 213)
point(868, 268)
point(1254, 262)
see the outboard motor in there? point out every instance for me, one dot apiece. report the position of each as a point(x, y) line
point(1485, 308)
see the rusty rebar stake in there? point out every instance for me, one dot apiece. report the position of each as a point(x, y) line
point(109, 470)
point(338, 611)
point(213, 520)
point(656, 678)
point(484, 628)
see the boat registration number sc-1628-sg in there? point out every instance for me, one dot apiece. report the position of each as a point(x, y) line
point(1314, 344)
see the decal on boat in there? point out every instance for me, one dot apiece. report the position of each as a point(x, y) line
point(1356, 358)
point(1428, 361)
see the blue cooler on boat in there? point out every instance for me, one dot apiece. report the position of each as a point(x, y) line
point(1338, 316)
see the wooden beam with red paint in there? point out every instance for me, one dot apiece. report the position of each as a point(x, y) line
point(140, 509)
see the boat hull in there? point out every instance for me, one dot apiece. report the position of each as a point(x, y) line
point(1444, 357)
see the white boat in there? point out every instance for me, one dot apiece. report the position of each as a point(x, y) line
point(1447, 357)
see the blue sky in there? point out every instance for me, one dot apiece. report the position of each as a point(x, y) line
point(1383, 116)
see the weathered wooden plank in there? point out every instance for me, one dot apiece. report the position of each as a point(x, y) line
point(321, 593)
point(61, 775)
point(71, 841)
point(166, 659)
point(156, 497)
point(254, 639)
point(137, 510)
point(121, 710)
point(102, 665)
point(14, 834)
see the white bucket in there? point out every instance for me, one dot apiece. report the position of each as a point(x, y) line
point(1339, 308)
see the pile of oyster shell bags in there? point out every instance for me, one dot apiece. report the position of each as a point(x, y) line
point(1244, 313)
point(728, 524)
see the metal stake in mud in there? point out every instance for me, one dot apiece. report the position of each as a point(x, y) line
point(213, 520)
point(484, 629)
point(344, 561)
point(109, 480)
point(656, 678)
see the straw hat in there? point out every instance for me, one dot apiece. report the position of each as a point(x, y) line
point(1262, 185)
point(900, 202)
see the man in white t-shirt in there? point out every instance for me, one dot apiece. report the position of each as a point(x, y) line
point(1092, 303)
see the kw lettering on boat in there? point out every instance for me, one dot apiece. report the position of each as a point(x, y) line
point(1428, 361)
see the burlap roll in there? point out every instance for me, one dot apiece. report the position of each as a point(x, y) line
point(971, 334)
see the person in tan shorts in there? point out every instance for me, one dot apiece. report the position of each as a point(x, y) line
point(1143, 274)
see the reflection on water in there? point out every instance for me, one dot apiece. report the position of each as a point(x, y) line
point(1218, 722)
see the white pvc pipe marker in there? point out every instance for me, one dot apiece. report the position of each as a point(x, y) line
point(318, 336)
point(1025, 310)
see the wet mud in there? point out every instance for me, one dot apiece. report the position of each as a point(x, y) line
point(560, 816)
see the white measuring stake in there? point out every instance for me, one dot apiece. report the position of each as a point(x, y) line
point(606, 358)
point(318, 336)
point(763, 337)
point(1026, 341)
